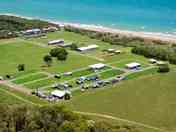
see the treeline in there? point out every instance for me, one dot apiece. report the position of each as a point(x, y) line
point(115, 39)
point(11, 25)
point(165, 53)
point(52, 119)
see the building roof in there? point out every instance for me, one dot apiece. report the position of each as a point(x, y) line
point(58, 93)
point(88, 47)
point(97, 66)
point(133, 64)
point(56, 41)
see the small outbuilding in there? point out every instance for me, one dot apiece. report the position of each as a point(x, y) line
point(56, 42)
point(97, 66)
point(88, 48)
point(60, 94)
point(133, 65)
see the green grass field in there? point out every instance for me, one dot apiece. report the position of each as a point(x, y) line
point(149, 100)
point(12, 97)
point(30, 78)
point(145, 96)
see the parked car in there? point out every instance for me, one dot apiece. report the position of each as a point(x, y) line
point(93, 78)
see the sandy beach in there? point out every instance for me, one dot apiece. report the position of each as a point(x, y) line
point(166, 37)
point(146, 35)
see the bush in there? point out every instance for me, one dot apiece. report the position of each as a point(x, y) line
point(47, 59)
point(154, 51)
point(21, 67)
point(10, 25)
point(163, 68)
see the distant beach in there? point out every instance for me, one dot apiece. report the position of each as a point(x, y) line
point(171, 38)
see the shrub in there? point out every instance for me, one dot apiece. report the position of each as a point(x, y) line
point(21, 67)
point(163, 68)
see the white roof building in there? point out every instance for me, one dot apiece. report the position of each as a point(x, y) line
point(59, 41)
point(133, 65)
point(59, 93)
point(90, 47)
point(97, 66)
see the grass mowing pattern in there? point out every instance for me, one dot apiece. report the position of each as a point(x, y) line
point(29, 78)
point(41, 83)
point(142, 73)
point(110, 73)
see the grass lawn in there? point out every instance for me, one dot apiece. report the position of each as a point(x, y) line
point(30, 78)
point(22, 52)
point(110, 73)
point(11, 97)
point(6, 98)
point(149, 100)
point(70, 37)
point(41, 83)
point(142, 73)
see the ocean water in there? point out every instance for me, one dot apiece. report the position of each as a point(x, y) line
point(138, 15)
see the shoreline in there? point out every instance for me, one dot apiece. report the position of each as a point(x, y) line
point(165, 37)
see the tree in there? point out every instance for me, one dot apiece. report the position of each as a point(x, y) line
point(62, 56)
point(172, 58)
point(21, 67)
point(48, 60)
point(163, 68)
point(54, 52)
point(59, 53)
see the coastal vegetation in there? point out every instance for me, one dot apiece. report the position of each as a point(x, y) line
point(165, 53)
point(114, 39)
point(10, 26)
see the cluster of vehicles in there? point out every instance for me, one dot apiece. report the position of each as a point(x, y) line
point(102, 83)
